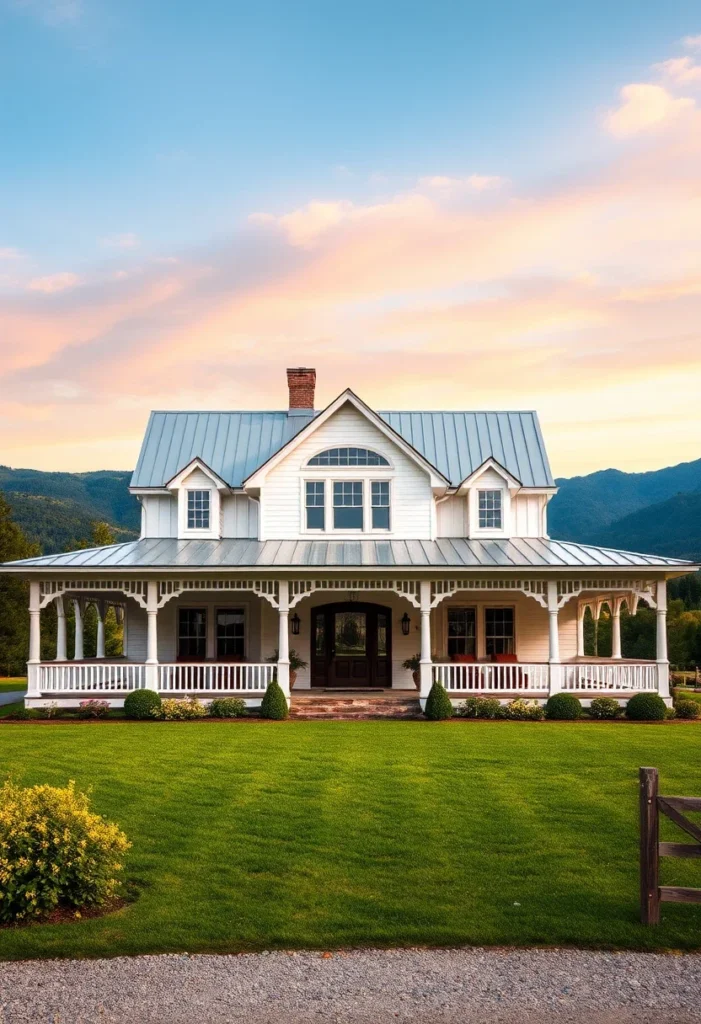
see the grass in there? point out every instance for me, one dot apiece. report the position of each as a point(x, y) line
point(11, 683)
point(324, 834)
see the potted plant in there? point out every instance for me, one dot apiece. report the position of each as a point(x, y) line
point(296, 663)
point(413, 664)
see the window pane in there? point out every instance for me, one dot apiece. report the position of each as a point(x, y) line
point(348, 518)
point(462, 631)
point(380, 504)
point(315, 519)
point(490, 511)
point(350, 635)
point(499, 630)
point(348, 457)
point(380, 518)
point(381, 636)
point(348, 505)
point(192, 633)
point(315, 501)
point(320, 633)
point(230, 633)
point(198, 510)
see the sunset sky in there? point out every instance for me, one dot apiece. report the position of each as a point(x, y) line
point(438, 204)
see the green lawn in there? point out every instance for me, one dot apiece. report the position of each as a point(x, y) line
point(325, 834)
point(20, 683)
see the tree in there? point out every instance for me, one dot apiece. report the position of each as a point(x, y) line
point(102, 535)
point(14, 596)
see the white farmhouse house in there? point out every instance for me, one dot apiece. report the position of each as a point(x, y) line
point(356, 538)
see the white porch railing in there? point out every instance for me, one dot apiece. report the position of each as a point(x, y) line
point(87, 677)
point(477, 678)
point(610, 676)
point(244, 677)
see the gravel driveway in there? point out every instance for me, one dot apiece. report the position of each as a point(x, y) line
point(472, 986)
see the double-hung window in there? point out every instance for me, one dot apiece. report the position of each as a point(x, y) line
point(499, 630)
point(462, 631)
point(490, 510)
point(315, 499)
point(348, 505)
point(198, 510)
point(379, 490)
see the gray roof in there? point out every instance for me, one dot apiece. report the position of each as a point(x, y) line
point(234, 444)
point(320, 554)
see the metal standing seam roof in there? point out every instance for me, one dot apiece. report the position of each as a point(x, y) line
point(448, 553)
point(234, 444)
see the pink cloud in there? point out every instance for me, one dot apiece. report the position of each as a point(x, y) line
point(645, 106)
point(53, 283)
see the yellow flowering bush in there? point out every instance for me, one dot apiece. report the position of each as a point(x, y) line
point(54, 852)
point(178, 709)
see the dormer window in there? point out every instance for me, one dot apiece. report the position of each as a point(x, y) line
point(490, 510)
point(198, 510)
point(348, 457)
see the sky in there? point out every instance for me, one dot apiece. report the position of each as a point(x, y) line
point(441, 205)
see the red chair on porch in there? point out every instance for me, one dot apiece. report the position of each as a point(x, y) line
point(470, 674)
point(510, 659)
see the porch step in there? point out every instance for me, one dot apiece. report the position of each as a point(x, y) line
point(354, 708)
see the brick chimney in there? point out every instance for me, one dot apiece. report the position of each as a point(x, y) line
point(301, 382)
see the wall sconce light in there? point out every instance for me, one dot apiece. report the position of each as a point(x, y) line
point(295, 623)
point(406, 624)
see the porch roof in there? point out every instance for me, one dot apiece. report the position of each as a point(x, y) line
point(446, 553)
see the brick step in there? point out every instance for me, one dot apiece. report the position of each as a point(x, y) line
point(354, 708)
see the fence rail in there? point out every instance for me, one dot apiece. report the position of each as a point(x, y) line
point(236, 678)
point(477, 678)
point(652, 894)
point(601, 677)
point(91, 677)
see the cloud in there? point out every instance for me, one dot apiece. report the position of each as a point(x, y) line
point(680, 70)
point(692, 42)
point(478, 182)
point(9, 253)
point(127, 240)
point(643, 107)
point(53, 283)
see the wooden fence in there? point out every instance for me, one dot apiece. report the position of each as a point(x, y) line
point(651, 849)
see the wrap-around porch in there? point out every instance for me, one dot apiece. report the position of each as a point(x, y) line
point(208, 635)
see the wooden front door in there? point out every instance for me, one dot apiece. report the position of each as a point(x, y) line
point(351, 645)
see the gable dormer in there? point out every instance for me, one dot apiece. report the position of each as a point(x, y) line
point(489, 492)
point(198, 491)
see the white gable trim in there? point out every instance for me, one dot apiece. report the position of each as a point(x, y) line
point(196, 463)
point(512, 483)
point(257, 478)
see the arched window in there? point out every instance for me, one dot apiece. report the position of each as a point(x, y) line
point(348, 457)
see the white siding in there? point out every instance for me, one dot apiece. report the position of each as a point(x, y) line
point(452, 517)
point(527, 515)
point(239, 516)
point(160, 516)
point(281, 498)
point(168, 624)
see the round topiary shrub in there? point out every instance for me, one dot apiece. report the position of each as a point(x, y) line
point(605, 708)
point(142, 704)
point(274, 703)
point(563, 707)
point(438, 704)
point(56, 854)
point(227, 707)
point(688, 709)
point(646, 707)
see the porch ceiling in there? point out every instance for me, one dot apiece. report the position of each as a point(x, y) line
point(453, 553)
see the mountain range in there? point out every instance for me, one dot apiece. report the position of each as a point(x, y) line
point(657, 512)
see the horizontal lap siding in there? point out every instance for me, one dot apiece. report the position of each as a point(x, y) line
point(411, 490)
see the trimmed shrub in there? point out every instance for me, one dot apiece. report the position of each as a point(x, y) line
point(520, 710)
point(180, 709)
point(478, 707)
point(438, 704)
point(22, 714)
point(140, 704)
point(56, 853)
point(646, 707)
point(605, 708)
point(688, 709)
point(227, 707)
point(563, 707)
point(274, 703)
point(93, 708)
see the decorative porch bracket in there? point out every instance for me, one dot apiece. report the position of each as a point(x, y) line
point(537, 589)
point(625, 589)
point(409, 589)
point(91, 588)
point(269, 589)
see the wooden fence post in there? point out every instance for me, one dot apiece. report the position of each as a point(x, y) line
point(649, 848)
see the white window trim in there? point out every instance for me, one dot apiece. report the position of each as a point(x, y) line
point(487, 531)
point(214, 530)
point(211, 603)
point(481, 623)
point(329, 530)
point(315, 529)
point(344, 469)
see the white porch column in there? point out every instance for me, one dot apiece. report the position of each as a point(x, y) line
point(151, 672)
point(615, 627)
point(100, 609)
point(553, 639)
point(34, 641)
point(78, 652)
point(581, 612)
point(61, 645)
point(283, 646)
point(662, 655)
point(426, 665)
